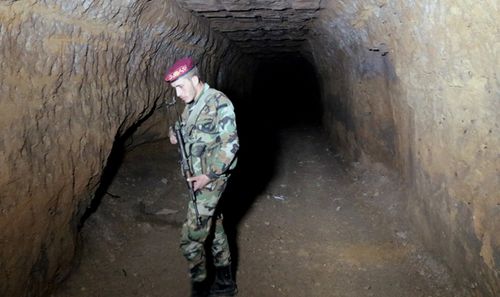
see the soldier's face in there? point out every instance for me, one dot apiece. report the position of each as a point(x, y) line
point(185, 89)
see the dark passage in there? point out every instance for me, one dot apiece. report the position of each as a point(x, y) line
point(286, 96)
point(287, 92)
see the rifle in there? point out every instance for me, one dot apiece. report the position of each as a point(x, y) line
point(186, 170)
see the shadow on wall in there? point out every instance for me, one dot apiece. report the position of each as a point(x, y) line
point(286, 95)
point(115, 160)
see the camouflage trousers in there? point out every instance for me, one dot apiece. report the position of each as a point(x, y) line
point(194, 237)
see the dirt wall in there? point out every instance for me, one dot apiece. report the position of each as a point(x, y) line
point(76, 75)
point(414, 85)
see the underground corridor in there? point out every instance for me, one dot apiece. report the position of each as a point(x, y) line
point(369, 159)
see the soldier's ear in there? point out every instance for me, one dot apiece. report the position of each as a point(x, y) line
point(195, 79)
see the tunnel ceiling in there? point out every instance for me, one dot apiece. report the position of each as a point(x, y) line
point(262, 28)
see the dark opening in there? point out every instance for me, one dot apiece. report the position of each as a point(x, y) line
point(286, 95)
point(287, 90)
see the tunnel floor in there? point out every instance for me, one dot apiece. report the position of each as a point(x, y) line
point(319, 227)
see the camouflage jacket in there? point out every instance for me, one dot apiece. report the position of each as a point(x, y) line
point(210, 133)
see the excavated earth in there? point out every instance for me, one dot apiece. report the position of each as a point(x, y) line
point(310, 224)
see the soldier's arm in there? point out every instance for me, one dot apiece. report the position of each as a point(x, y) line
point(171, 135)
point(227, 139)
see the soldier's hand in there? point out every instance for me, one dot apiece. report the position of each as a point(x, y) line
point(199, 181)
point(171, 135)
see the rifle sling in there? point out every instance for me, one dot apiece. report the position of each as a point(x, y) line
point(195, 113)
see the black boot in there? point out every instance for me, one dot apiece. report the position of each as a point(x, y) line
point(199, 289)
point(224, 284)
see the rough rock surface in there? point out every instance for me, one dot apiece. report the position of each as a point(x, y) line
point(415, 85)
point(75, 77)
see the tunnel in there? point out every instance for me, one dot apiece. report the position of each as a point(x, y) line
point(369, 160)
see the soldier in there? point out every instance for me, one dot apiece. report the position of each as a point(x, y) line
point(208, 128)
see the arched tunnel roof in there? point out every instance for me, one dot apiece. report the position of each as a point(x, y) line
point(263, 28)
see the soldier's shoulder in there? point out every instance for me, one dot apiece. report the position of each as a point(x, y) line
point(216, 94)
point(219, 99)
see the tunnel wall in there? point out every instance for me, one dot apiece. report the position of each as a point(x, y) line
point(76, 75)
point(414, 85)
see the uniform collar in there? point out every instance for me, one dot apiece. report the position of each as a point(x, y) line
point(192, 104)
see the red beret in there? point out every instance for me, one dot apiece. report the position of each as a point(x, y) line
point(179, 68)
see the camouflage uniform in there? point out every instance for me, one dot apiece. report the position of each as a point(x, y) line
point(211, 142)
